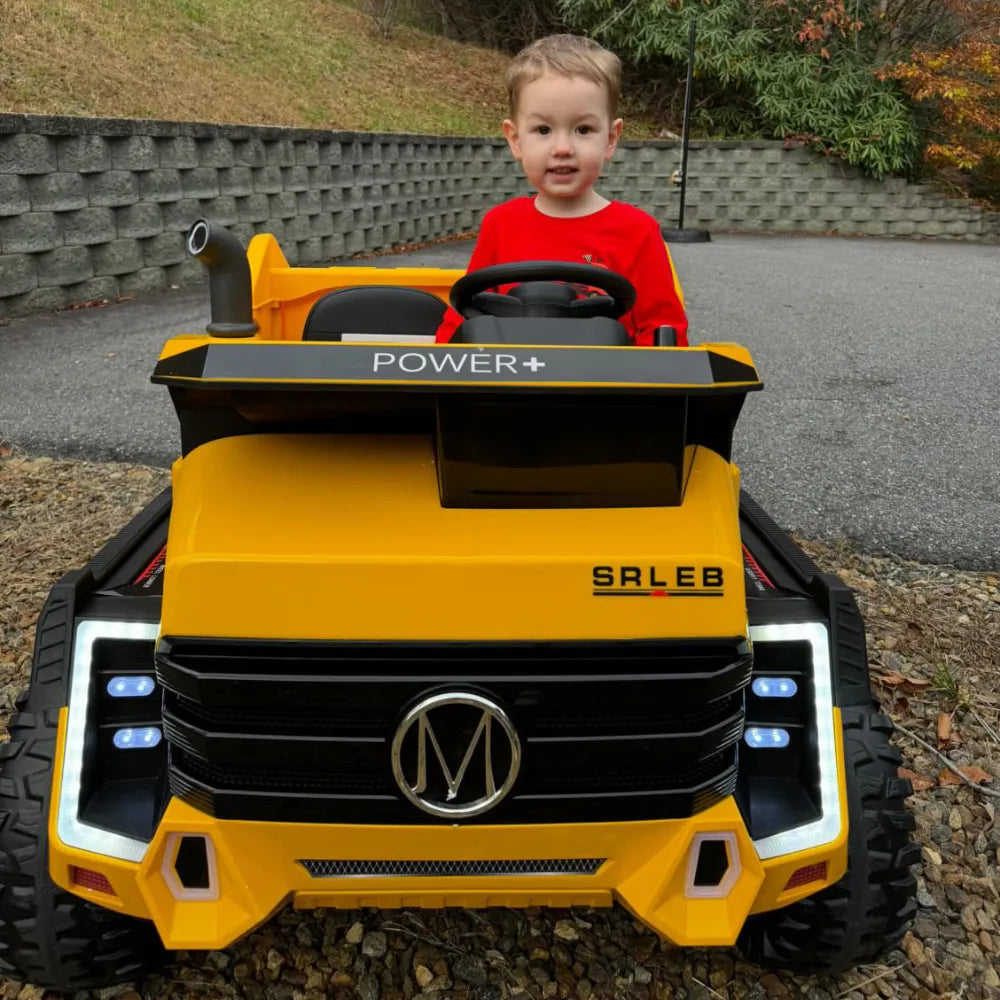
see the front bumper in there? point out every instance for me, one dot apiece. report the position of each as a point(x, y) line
point(256, 868)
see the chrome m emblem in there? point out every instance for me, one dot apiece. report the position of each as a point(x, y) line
point(475, 734)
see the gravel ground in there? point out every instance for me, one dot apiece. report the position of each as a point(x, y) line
point(934, 637)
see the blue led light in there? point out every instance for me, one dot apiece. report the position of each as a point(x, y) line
point(137, 739)
point(130, 687)
point(775, 687)
point(767, 739)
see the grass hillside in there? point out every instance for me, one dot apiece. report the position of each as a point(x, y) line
point(312, 63)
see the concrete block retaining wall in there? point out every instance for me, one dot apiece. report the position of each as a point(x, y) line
point(97, 208)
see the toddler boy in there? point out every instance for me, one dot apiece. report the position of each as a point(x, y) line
point(563, 92)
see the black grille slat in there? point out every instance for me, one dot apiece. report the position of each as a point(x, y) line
point(301, 731)
point(214, 655)
point(383, 869)
point(232, 778)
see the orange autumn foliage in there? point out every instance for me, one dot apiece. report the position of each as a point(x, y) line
point(960, 86)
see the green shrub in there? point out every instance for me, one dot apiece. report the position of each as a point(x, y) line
point(767, 68)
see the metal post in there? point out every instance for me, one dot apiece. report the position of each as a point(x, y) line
point(687, 124)
point(680, 234)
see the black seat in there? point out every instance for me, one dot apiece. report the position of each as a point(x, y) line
point(373, 309)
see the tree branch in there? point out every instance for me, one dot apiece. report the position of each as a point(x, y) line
point(947, 763)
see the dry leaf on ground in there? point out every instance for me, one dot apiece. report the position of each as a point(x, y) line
point(975, 774)
point(920, 782)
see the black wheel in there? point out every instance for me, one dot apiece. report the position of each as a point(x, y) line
point(866, 913)
point(49, 937)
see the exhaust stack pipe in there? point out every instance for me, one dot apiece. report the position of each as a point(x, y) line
point(228, 278)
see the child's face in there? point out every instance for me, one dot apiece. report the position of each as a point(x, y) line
point(563, 135)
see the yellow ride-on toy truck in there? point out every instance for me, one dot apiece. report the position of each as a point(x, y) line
point(473, 624)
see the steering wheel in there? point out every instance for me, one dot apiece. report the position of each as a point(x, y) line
point(538, 295)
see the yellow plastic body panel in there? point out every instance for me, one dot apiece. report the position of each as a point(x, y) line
point(283, 295)
point(258, 871)
point(295, 537)
point(347, 513)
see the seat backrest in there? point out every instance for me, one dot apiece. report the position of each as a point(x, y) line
point(373, 309)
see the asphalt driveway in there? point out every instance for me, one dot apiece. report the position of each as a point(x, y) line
point(879, 420)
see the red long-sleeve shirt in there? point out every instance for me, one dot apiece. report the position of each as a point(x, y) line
point(619, 237)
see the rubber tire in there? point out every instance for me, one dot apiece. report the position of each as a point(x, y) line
point(865, 915)
point(49, 937)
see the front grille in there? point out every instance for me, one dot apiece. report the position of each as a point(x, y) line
point(302, 731)
point(387, 869)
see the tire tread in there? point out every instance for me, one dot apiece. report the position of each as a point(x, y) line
point(49, 937)
point(867, 912)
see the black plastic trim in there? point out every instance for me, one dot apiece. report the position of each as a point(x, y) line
point(797, 560)
point(832, 598)
point(848, 646)
point(129, 538)
point(327, 366)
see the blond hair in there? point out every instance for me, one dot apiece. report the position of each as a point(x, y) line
point(566, 55)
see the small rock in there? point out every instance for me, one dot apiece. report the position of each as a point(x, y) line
point(273, 963)
point(368, 987)
point(341, 957)
point(539, 972)
point(913, 949)
point(561, 955)
point(955, 819)
point(566, 930)
point(951, 932)
point(598, 973)
point(471, 969)
point(943, 978)
point(642, 948)
point(487, 992)
point(774, 988)
point(423, 976)
point(926, 900)
point(355, 933)
point(218, 960)
point(342, 979)
point(642, 975)
point(964, 969)
point(374, 944)
point(315, 980)
point(956, 896)
point(584, 989)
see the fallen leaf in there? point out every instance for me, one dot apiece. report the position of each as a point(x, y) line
point(975, 774)
point(893, 679)
point(943, 728)
point(890, 678)
point(920, 782)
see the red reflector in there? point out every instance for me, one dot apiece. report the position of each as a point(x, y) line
point(90, 880)
point(811, 873)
